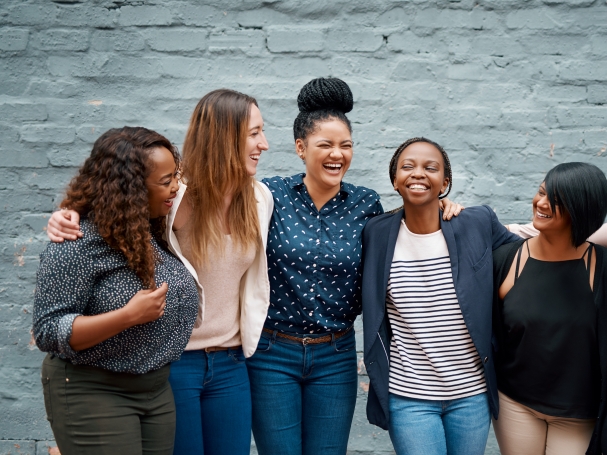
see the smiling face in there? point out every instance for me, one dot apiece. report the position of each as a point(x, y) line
point(256, 140)
point(327, 153)
point(161, 183)
point(543, 216)
point(420, 175)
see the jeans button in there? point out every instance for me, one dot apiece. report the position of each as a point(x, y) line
point(486, 359)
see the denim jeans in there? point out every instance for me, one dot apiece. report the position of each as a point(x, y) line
point(429, 427)
point(213, 403)
point(303, 395)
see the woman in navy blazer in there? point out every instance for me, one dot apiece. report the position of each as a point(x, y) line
point(404, 381)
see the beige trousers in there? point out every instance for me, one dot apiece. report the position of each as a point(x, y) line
point(522, 431)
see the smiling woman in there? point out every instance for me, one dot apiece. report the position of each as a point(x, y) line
point(426, 293)
point(550, 322)
point(109, 330)
point(303, 374)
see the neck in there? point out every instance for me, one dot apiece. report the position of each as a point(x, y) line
point(555, 246)
point(320, 196)
point(422, 219)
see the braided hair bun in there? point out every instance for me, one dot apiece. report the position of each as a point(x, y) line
point(321, 100)
point(330, 93)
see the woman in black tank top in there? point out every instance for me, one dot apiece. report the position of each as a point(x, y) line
point(550, 322)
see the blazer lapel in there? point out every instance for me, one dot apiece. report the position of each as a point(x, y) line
point(449, 234)
point(388, 252)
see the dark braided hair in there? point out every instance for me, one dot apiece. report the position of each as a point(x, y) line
point(319, 100)
point(413, 140)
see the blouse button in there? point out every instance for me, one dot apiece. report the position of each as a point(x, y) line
point(311, 313)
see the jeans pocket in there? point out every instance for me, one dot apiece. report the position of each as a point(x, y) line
point(46, 390)
point(264, 344)
point(346, 343)
point(237, 356)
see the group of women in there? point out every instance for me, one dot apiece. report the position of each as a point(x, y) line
point(197, 304)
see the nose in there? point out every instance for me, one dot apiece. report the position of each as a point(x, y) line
point(263, 143)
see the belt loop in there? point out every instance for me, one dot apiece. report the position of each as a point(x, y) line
point(332, 339)
point(274, 333)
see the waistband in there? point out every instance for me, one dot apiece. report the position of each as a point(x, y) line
point(305, 340)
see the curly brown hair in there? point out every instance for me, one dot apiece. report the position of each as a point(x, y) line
point(110, 191)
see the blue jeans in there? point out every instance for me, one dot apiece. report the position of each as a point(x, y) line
point(213, 403)
point(303, 395)
point(429, 427)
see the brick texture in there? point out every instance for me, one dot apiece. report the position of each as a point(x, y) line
point(510, 88)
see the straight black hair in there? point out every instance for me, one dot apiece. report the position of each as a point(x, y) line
point(580, 190)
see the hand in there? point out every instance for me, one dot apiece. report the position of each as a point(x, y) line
point(450, 209)
point(64, 225)
point(146, 305)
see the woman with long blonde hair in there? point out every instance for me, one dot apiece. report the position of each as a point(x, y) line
point(218, 227)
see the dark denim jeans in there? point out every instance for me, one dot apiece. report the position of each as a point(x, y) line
point(303, 395)
point(213, 403)
point(439, 427)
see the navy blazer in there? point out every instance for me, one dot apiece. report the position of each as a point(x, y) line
point(471, 238)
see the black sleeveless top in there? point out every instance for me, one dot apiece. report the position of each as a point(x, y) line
point(549, 358)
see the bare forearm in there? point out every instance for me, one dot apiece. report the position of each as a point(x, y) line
point(89, 331)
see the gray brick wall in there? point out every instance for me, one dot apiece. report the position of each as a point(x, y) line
point(509, 87)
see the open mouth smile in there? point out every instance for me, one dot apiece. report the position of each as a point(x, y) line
point(333, 168)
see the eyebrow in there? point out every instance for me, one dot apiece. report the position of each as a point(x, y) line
point(256, 127)
point(329, 140)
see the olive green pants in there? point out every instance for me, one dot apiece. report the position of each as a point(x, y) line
point(93, 411)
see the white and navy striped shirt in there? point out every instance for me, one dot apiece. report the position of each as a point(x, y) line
point(432, 356)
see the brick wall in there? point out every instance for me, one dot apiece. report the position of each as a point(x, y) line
point(509, 87)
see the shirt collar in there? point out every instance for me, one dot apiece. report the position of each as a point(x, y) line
point(296, 182)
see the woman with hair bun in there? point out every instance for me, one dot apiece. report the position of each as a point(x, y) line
point(550, 322)
point(116, 307)
point(304, 373)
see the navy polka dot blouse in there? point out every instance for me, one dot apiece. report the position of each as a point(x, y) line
point(88, 277)
point(314, 257)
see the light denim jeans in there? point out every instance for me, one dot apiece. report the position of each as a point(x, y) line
point(441, 427)
point(213, 403)
point(303, 395)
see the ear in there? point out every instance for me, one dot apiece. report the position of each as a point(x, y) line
point(445, 186)
point(300, 148)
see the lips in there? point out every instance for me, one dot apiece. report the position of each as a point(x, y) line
point(255, 157)
point(541, 215)
point(333, 168)
point(169, 202)
point(418, 187)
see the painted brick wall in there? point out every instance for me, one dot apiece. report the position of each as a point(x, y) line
point(509, 87)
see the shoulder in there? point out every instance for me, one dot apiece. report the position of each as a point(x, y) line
point(262, 190)
point(360, 191)
point(504, 254)
point(381, 223)
point(280, 183)
point(475, 213)
point(89, 245)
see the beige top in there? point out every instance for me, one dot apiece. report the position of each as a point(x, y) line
point(220, 279)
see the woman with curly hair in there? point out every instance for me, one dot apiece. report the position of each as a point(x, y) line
point(116, 307)
point(217, 227)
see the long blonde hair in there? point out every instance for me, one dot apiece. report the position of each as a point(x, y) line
point(213, 166)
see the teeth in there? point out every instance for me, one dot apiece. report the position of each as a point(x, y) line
point(254, 157)
point(541, 215)
point(333, 165)
point(417, 187)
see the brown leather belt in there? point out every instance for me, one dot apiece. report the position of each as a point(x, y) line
point(221, 348)
point(308, 340)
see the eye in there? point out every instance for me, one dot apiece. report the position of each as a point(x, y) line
point(406, 166)
point(431, 168)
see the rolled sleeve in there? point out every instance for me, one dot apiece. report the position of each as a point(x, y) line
point(64, 281)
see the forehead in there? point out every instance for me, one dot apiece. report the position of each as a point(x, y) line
point(332, 128)
point(255, 118)
point(161, 161)
point(421, 151)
